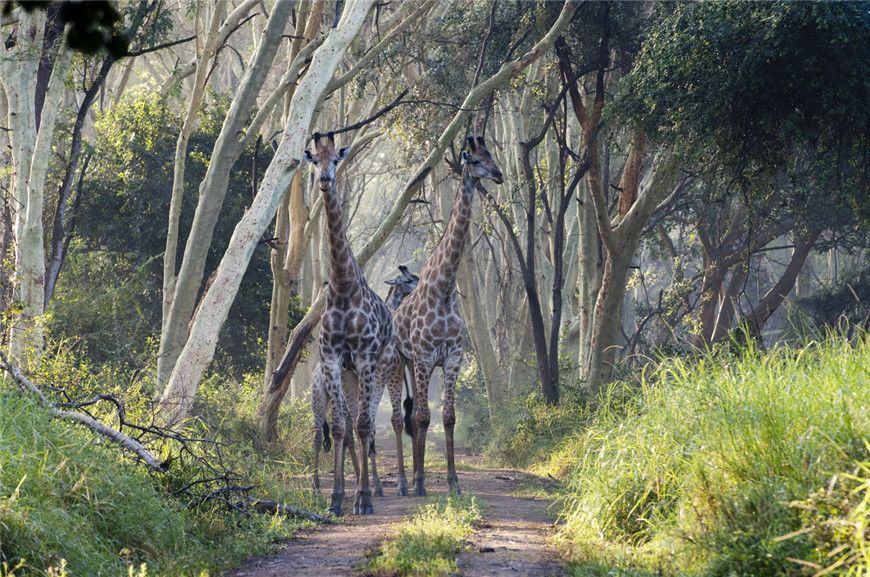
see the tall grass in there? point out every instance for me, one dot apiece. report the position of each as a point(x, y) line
point(66, 501)
point(703, 469)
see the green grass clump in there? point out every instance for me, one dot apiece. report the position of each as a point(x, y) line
point(67, 500)
point(427, 544)
point(714, 466)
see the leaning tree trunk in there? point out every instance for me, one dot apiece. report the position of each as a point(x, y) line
point(200, 346)
point(181, 291)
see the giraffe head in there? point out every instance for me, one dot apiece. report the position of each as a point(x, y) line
point(325, 158)
point(477, 159)
point(400, 287)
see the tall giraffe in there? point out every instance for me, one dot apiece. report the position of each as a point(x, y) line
point(355, 328)
point(400, 287)
point(428, 323)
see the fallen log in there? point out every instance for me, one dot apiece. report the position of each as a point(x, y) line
point(273, 507)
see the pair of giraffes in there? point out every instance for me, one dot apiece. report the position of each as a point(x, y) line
point(359, 332)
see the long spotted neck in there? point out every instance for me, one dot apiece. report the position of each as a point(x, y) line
point(442, 266)
point(344, 271)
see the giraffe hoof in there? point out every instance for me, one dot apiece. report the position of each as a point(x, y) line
point(337, 511)
point(379, 492)
point(403, 491)
point(419, 492)
point(363, 510)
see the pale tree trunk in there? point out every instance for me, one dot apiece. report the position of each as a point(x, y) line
point(31, 148)
point(620, 242)
point(200, 346)
point(180, 296)
point(7, 239)
point(203, 65)
point(286, 257)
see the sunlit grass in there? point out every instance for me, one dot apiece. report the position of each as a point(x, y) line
point(68, 500)
point(428, 544)
point(698, 472)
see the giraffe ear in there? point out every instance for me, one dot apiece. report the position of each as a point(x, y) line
point(481, 141)
point(343, 152)
point(308, 157)
point(463, 158)
point(471, 144)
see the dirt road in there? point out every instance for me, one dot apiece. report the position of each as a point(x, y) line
point(512, 540)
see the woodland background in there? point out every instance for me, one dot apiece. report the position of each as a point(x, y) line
point(680, 246)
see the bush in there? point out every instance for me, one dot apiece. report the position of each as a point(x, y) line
point(695, 472)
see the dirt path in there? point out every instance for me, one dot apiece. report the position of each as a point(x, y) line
point(512, 539)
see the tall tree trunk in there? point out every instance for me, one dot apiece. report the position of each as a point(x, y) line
point(181, 291)
point(198, 351)
point(31, 149)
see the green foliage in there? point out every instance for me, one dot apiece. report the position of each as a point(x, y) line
point(837, 520)
point(121, 236)
point(67, 501)
point(427, 545)
point(752, 78)
point(696, 472)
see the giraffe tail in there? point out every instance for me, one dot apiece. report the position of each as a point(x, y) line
point(327, 439)
point(408, 406)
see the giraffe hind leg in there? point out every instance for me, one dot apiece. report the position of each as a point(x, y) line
point(451, 372)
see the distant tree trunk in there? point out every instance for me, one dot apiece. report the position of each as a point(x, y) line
point(777, 294)
point(199, 349)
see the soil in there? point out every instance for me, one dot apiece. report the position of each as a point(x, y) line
point(512, 539)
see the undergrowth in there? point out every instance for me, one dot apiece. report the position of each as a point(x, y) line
point(428, 544)
point(73, 505)
point(728, 465)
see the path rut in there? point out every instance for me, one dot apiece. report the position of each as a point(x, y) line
point(512, 539)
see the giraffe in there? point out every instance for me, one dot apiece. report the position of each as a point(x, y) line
point(400, 287)
point(428, 323)
point(355, 328)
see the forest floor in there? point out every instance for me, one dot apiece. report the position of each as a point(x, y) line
point(512, 539)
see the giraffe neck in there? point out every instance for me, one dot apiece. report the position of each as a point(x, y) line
point(343, 268)
point(441, 268)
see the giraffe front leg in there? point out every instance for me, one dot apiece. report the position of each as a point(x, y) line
point(422, 417)
point(363, 503)
point(451, 372)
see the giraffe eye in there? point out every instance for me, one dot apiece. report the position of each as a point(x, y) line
point(475, 161)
